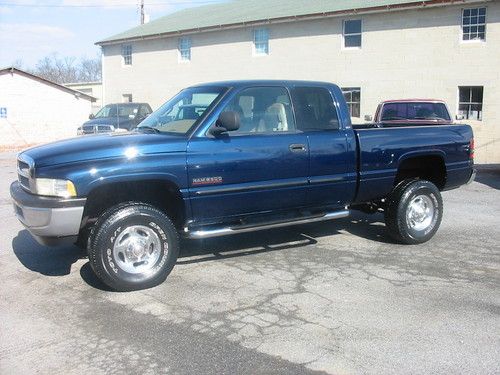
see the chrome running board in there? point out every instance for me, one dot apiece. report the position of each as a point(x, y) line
point(224, 231)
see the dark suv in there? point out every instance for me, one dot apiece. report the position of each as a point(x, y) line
point(115, 116)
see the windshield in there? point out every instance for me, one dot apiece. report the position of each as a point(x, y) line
point(117, 110)
point(414, 111)
point(181, 113)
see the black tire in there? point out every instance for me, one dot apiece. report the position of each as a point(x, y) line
point(111, 226)
point(398, 217)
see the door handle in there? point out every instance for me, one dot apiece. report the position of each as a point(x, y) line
point(297, 147)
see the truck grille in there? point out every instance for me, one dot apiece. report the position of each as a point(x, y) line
point(25, 171)
point(97, 129)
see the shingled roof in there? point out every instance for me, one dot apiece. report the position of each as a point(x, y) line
point(239, 13)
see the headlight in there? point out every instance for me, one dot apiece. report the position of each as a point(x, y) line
point(55, 188)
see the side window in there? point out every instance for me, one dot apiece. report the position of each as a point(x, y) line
point(144, 111)
point(352, 97)
point(263, 110)
point(352, 34)
point(185, 49)
point(470, 102)
point(314, 109)
point(127, 54)
point(474, 24)
point(261, 41)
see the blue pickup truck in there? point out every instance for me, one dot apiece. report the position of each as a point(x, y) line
point(232, 157)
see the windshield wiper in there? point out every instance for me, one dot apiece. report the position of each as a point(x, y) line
point(147, 129)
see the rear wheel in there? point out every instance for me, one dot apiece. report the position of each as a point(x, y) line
point(133, 246)
point(414, 211)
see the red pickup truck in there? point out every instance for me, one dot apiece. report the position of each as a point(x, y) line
point(412, 112)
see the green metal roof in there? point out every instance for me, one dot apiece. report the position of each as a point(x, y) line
point(249, 11)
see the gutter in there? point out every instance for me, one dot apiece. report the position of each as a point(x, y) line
point(312, 16)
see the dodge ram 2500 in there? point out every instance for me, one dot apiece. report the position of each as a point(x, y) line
point(232, 157)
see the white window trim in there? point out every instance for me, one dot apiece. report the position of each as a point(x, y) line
point(351, 102)
point(343, 34)
point(127, 96)
point(123, 57)
point(179, 54)
point(254, 51)
point(461, 34)
point(458, 103)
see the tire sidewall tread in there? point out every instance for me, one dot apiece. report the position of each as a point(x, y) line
point(106, 230)
point(397, 203)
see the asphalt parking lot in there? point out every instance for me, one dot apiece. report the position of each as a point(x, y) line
point(337, 298)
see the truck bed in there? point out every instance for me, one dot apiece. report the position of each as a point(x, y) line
point(381, 150)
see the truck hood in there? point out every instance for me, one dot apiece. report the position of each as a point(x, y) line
point(96, 147)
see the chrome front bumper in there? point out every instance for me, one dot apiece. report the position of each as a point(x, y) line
point(51, 221)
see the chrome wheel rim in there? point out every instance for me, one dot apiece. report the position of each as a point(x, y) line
point(137, 249)
point(420, 213)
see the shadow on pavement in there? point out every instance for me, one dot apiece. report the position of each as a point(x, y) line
point(489, 175)
point(358, 224)
point(57, 261)
point(91, 279)
point(49, 261)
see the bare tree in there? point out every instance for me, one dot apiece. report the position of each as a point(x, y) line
point(18, 63)
point(68, 69)
point(89, 69)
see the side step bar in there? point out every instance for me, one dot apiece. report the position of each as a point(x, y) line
point(224, 231)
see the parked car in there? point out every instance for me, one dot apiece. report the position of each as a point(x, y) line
point(411, 112)
point(115, 116)
point(257, 155)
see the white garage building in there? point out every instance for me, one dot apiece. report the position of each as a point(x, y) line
point(34, 110)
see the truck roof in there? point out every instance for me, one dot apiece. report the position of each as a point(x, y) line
point(253, 82)
point(413, 101)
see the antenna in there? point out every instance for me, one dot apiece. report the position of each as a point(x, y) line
point(142, 12)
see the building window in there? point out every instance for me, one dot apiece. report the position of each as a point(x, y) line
point(474, 24)
point(352, 34)
point(261, 41)
point(470, 102)
point(185, 49)
point(352, 96)
point(127, 98)
point(127, 54)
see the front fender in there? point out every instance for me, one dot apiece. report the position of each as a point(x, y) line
point(89, 175)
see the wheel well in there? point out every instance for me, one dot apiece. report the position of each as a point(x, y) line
point(164, 195)
point(431, 168)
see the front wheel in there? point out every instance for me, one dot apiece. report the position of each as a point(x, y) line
point(414, 211)
point(133, 246)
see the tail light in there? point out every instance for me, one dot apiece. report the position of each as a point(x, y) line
point(471, 149)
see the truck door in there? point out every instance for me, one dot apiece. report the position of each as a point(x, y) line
point(260, 167)
point(332, 171)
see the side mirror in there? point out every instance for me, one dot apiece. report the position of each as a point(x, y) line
point(459, 117)
point(368, 118)
point(91, 116)
point(228, 121)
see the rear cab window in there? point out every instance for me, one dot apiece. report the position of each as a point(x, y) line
point(314, 109)
point(414, 111)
